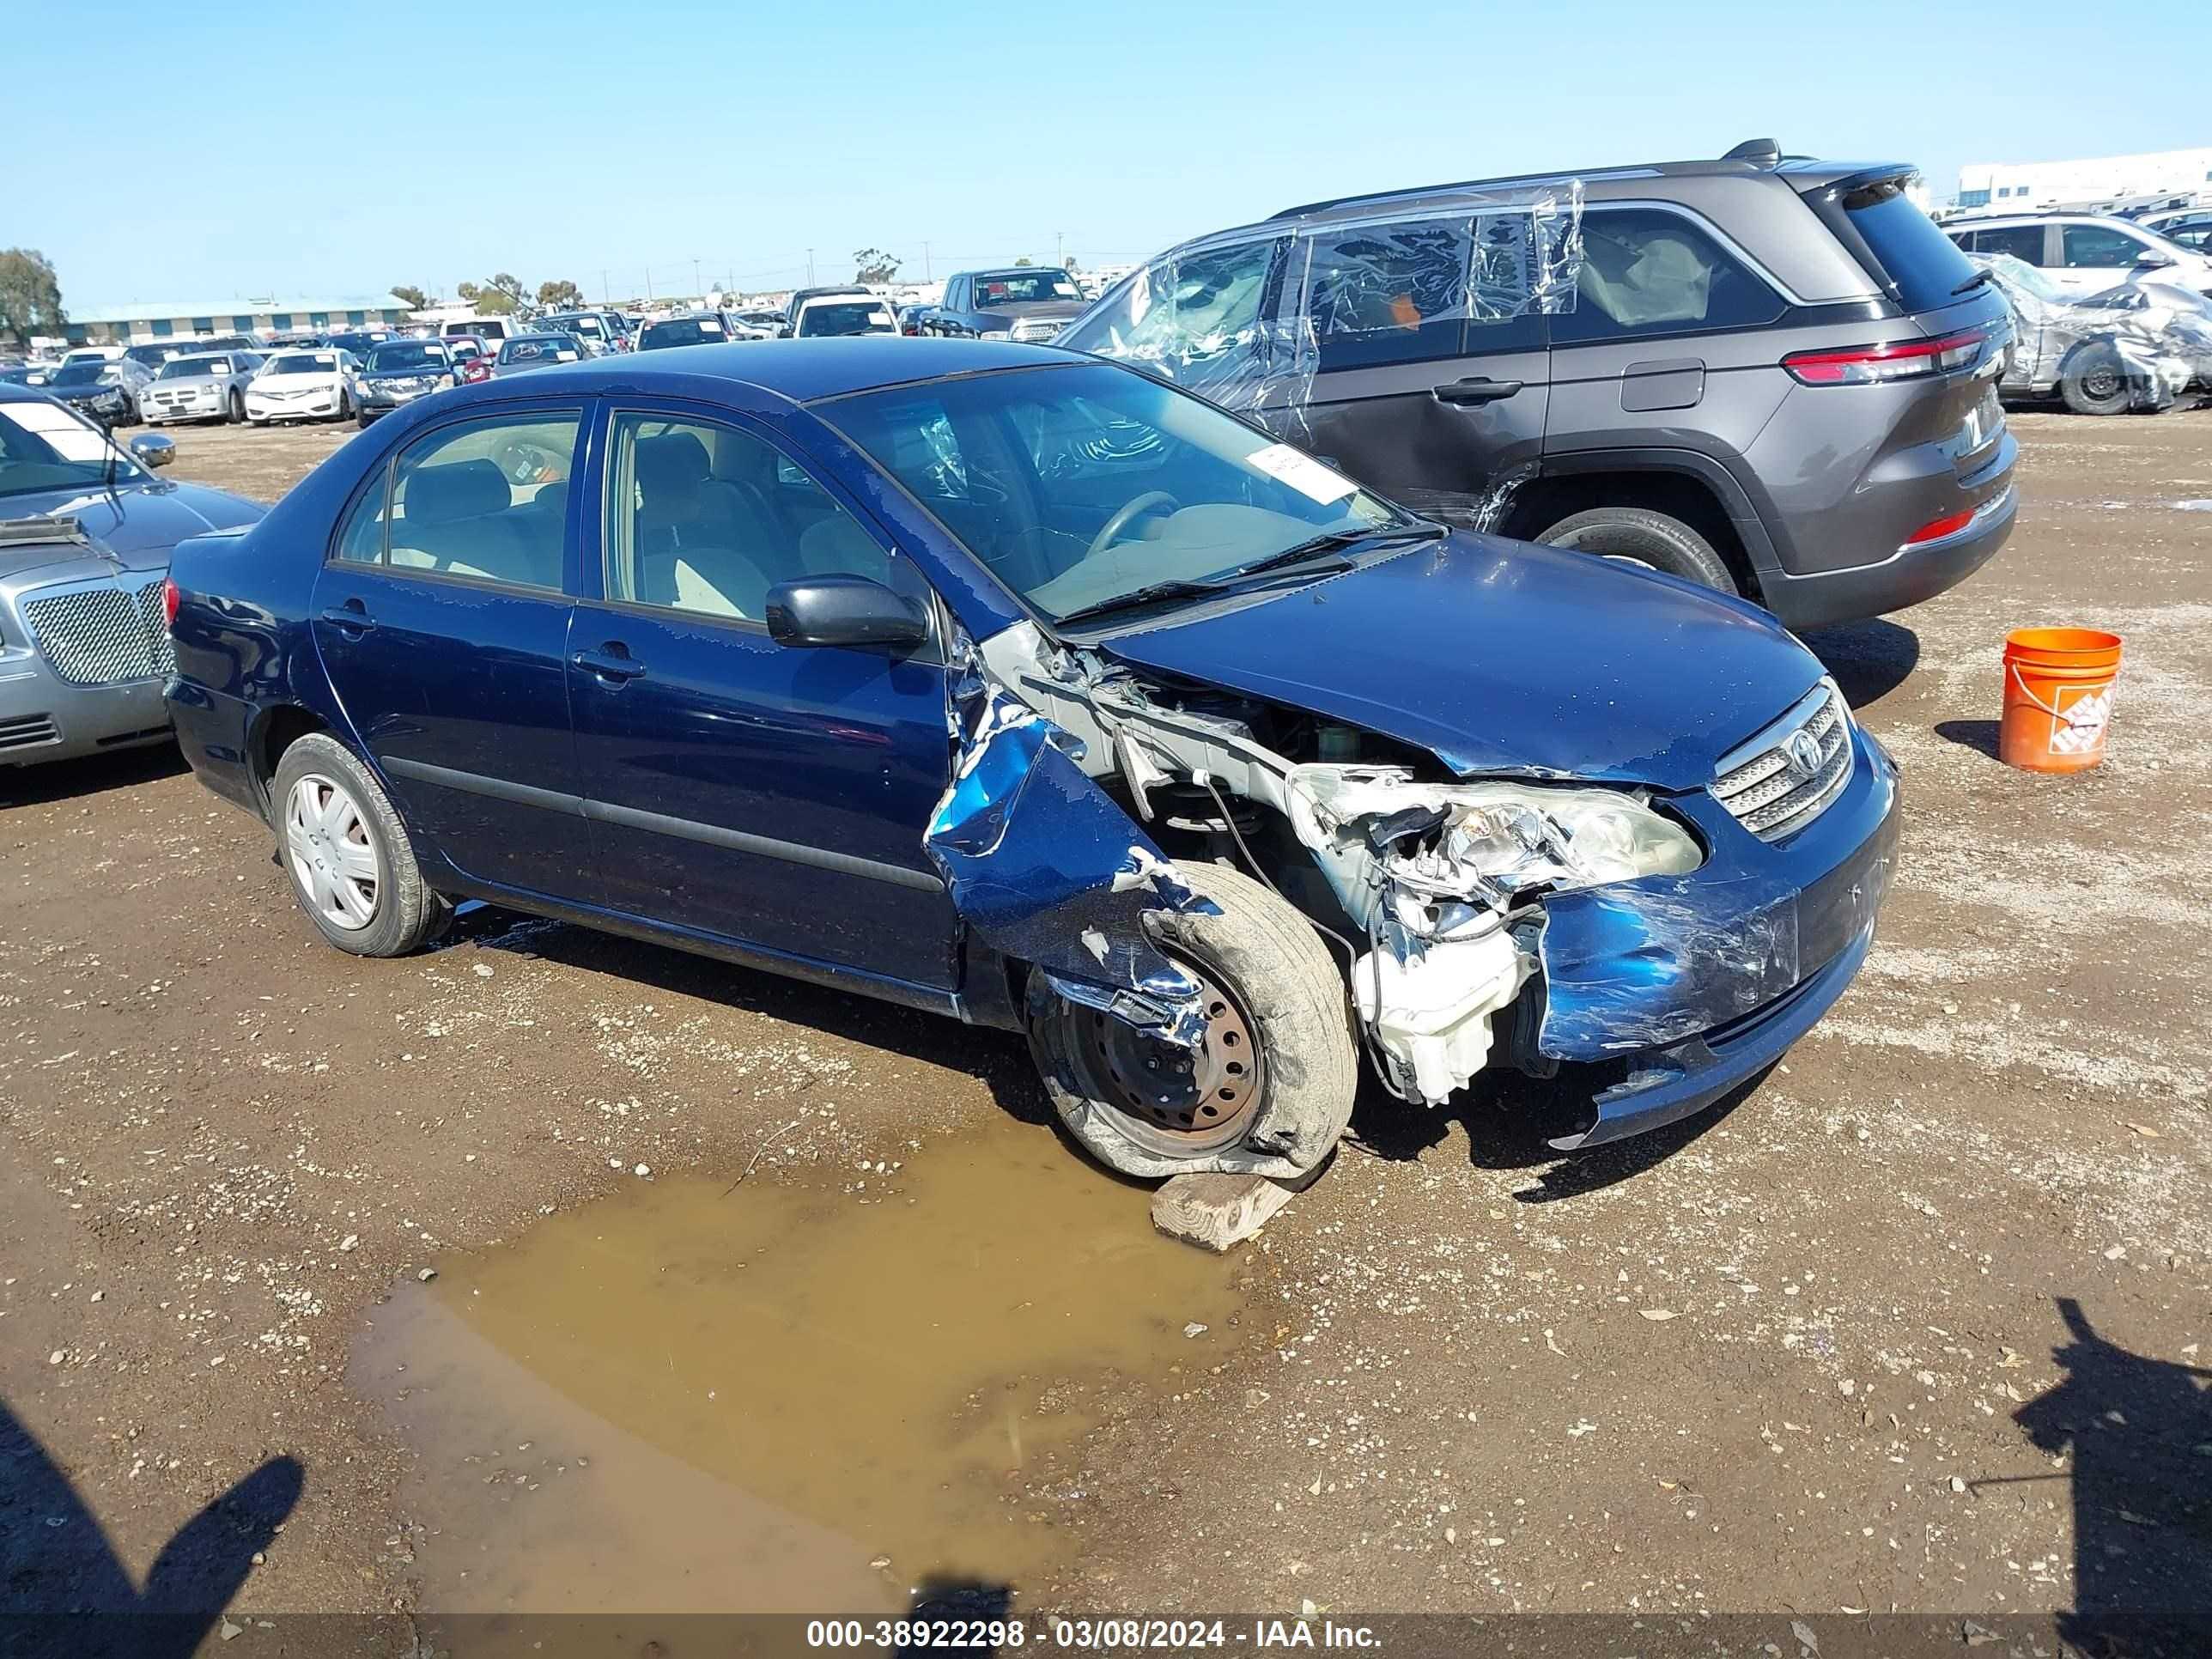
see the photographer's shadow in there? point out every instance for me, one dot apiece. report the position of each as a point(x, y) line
point(68, 1592)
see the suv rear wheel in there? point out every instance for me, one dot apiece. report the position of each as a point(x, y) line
point(1636, 535)
point(1268, 1090)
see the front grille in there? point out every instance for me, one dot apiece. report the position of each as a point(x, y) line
point(1786, 776)
point(27, 731)
point(103, 635)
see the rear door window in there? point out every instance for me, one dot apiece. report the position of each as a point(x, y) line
point(481, 501)
point(1647, 272)
point(1390, 292)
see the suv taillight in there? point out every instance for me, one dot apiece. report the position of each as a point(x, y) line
point(171, 597)
point(1902, 359)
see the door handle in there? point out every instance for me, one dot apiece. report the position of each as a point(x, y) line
point(349, 619)
point(611, 668)
point(1467, 394)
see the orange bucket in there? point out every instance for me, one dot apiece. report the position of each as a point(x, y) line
point(2057, 697)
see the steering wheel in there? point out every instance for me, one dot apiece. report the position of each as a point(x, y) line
point(1152, 501)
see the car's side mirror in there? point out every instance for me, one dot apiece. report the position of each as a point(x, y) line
point(151, 449)
point(846, 610)
point(2152, 259)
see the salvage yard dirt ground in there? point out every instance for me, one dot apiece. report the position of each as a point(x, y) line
point(1918, 1322)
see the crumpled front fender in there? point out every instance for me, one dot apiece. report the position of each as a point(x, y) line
point(1048, 869)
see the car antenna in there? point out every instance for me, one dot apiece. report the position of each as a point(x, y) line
point(1759, 152)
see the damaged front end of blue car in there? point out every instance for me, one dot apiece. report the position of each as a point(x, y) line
point(1661, 943)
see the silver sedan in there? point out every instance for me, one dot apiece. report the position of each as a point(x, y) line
point(200, 386)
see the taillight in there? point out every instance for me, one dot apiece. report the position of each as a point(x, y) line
point(171, 597)
point(1902, 359)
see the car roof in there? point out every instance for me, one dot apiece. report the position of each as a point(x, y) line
point(800, 371)
point(1801, 172)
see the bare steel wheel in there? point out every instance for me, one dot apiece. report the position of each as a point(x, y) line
point(1177, 1101)
point(1268, 1089)
point(332, 859)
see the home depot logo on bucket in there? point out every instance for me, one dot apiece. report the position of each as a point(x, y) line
point(2057, 697)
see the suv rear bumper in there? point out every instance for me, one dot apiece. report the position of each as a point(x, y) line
point(1907, 577)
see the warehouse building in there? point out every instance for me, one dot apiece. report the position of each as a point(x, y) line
point(2184, 175)
point(145, 320)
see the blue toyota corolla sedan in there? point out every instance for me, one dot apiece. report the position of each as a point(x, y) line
point(1003, 681)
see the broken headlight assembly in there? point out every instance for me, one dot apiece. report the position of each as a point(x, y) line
point(1435, 873)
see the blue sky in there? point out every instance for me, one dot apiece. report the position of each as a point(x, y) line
point(341, 152)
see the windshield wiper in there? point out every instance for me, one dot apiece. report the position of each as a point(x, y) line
point(1972, 283)
point(1297, 562)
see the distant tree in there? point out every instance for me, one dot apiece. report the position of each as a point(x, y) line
point(872, 264)
point(467, 294)
point(502, 297)
point(417, 300)
point(560, 295)
point(1025, 261)
point(1068, 264)
point(30, 296)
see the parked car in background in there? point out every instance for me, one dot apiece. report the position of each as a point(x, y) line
point(223, 343)
point(151, 355)
point(2084, 253)
point(1642, 379)
point(490, 329)
point(91, 354)
point(2135, 347)
point(301, 338)
point(2189, 228)
point(709, 706)
point(200, 386)
point(1022, 302)
point(302, 385)
point(595, 330)
point(26, 374)
point(357, 341)
point(85, 534)
point(696, 328)
point(910, 319)
point(520, 353)
point(108, 389)
point(827, 314)
point(471, 355)
point(800, 296)
point(397, 372)
point(764, 324)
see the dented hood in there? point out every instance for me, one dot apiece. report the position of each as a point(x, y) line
point(1504, 658)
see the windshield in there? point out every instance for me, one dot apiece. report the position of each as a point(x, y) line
point(407, 354)
point(682, 332)
point(303, 362)
point(185, 368)
point(1010, 288)
point(44, 446)
point(89, 371)
point(1079, 486)
point(858, 317)
point(580, 325)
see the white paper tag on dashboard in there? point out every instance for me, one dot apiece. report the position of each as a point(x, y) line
point(1302, 472)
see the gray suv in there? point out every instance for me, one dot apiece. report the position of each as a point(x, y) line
point(1767, 374)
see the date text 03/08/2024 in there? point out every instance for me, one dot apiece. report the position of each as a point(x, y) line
point(1093, 1635)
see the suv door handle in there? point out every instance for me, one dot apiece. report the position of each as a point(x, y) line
point(351, 619)
point(612, 669)
point(1467, 394)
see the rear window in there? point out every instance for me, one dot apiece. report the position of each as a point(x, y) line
point(1923, 263)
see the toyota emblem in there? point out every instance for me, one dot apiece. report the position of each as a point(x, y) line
point(1802, 750)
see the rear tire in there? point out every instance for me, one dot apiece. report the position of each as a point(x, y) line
point(2097, 383)
point(1639, 536)
point(237, 410)
point(352, 867)
point(1279, 1061)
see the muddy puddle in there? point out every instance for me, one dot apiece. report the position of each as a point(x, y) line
point(805, 1394)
